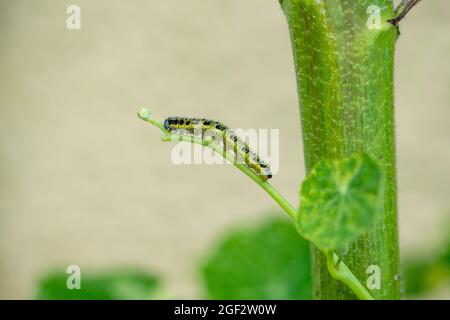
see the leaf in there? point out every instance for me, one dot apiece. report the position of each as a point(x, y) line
point(339, 200)
point(269, 261)
point(114, 285)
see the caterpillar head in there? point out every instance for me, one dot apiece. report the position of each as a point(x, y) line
point(167, 124)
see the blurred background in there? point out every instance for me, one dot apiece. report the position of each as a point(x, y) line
point(84, 182)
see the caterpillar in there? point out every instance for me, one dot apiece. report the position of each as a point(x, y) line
point(229, 140)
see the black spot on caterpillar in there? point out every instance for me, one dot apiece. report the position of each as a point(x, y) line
point(230, 141)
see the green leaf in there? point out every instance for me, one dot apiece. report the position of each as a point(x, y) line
point(114, 285)
point(269, 261)
point(339, 200)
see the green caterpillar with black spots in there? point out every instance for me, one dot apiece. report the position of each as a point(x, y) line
point(221, 135)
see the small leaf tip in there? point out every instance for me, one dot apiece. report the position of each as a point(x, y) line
point(144, 114)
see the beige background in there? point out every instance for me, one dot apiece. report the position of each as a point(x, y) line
point(83, 181)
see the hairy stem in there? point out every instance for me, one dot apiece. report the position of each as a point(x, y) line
point(343, 54)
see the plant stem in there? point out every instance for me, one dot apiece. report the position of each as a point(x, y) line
point(402, 10)
point(344, 68)
point(339, 271)
point(167, 136)
point(343, 273)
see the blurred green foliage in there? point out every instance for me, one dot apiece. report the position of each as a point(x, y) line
point(112, 285)
point(422, 275)
point(267, 261)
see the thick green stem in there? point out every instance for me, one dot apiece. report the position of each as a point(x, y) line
point(344, 53)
